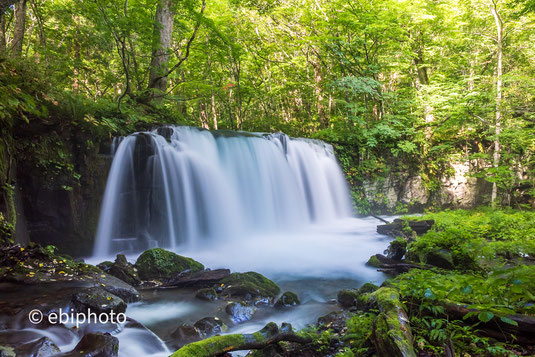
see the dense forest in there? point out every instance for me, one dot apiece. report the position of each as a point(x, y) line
point(429, 107)
point(395, 85)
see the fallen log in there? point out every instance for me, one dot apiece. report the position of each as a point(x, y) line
point(392, 334)
point(522, 333)
point(217, 345)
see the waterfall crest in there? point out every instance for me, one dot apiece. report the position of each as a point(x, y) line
point(184, 186)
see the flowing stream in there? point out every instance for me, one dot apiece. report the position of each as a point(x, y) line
point(245, 201)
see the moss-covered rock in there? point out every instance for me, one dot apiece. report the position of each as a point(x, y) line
point(288, 299)
point(374, 262)
point(348, 298)
point(397, 249)
point(368, 288)
point(207, 294)
point(250, 286)
point(161, 264)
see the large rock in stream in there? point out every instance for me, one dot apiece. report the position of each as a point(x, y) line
point(161, 264)
point(199, 279)
point(99, 301)
point(250, 286)
point(122, 270)
point(396, 228)
point(95, 345)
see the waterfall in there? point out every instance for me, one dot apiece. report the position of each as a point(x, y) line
point(183, 186)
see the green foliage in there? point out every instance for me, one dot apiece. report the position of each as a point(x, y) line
point(479, 237)
point(502, 292)
point(358, 333)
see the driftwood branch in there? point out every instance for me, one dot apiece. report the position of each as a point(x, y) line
point(217, 345)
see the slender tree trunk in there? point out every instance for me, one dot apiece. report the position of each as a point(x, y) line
point(2, 33)
point(20, 25)
point(214, 113)
point(319, 92)
point(499, 73)
point(163, 30)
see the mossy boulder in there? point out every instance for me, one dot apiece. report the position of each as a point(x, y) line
point(207, 294)
point(250, 286)
point(374, 262)
point(161, 264)
point(348, 298)
point(287, 299)
point(397, 249)
point(368, 288)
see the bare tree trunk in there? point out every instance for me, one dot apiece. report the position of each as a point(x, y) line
point(214, 113)
point(499, 73)
point(163, 31)
point(20, 25)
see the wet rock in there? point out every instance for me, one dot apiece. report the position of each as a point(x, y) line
point(95, 345)
point(240, 312)
point(336, 320)
point(161, 264)
point(441, 258)
point(118, 287)
point(250, 286)
point(210, 326)
point(122, 270)
point(396, 228)
point(105, 266)
point(348, 298)
point(200, 279)
point(39, 348)
point(287, 299)
point(207, 294)
point(98, 301)
point(185, 334)
point(397, 249)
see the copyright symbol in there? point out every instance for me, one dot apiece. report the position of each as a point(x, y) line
point(35, 316)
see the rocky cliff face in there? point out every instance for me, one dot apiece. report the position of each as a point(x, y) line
point(60, 215)
point(396, 190)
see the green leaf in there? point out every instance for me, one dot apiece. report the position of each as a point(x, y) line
point(509, 321)
point(485, 316)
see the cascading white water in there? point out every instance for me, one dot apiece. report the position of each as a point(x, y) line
point(181, 186)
